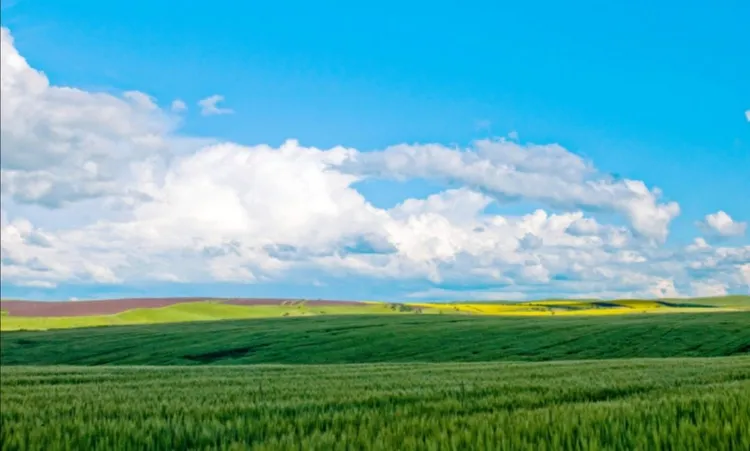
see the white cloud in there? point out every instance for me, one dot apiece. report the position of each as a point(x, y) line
point(455, 295)
point(62, 144)
point(698, 245)
point(543, 173)
point(209, 106)
point(28, 263)
point(140, 100)
point(178, 106)
point(720, 223)
point(747, 115)
point(101, 189)
point(709, 289)
point(744, 274)
point(664, 289)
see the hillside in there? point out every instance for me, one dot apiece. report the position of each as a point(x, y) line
point(380, 338)
point(38, 315)
point(158, 311)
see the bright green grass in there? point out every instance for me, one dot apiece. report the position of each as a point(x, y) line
point(32, 323)
point(386, 338)
point(188, 311)
point(664, 404)
point(738, 301)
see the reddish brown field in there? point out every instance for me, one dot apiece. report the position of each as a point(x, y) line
point(114, 306)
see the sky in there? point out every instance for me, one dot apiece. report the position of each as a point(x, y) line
point(390, 150)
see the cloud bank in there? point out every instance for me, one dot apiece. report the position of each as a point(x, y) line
point(127, 199)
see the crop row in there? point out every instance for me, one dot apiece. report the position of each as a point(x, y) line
point(627, 404)
point(386, 338)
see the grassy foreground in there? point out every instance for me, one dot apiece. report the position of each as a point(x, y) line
point(678, 404)
point(378, 338)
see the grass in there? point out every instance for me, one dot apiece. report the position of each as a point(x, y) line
point(385, 338)
point(214, 310)
point(737, 301)
point(662, 404)
point(186, 312)
point(317, 381)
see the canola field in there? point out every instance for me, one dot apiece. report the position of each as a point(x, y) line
point(648, 404)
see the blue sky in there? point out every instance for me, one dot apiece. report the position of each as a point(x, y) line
point(644, 92)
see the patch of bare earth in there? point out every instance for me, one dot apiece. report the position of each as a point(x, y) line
point(87, 308)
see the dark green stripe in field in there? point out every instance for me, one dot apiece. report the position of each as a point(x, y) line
point(365, 339)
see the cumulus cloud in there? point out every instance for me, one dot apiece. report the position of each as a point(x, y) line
point(168, 208)
point(33, 257)
point(178, 106)
point(744, 275)
point(699, 244)
point(141, 100)
point(709, 289)
point(62, 144)
point(209, 106)
point(509, 171)
point(455, 295)
point(720, 223)
point(747, 115)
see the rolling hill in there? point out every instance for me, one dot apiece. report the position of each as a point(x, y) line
point(38, 315)
point(385, 338)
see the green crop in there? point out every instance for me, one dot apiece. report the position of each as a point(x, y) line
point(659, 404)
point(386, 338)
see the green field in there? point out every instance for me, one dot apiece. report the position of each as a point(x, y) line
point(188, 312)
point(384, 382)
point(386, 338)
point(212, 310)
point(667, 404)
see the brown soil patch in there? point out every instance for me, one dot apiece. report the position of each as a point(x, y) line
point(86, 308)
